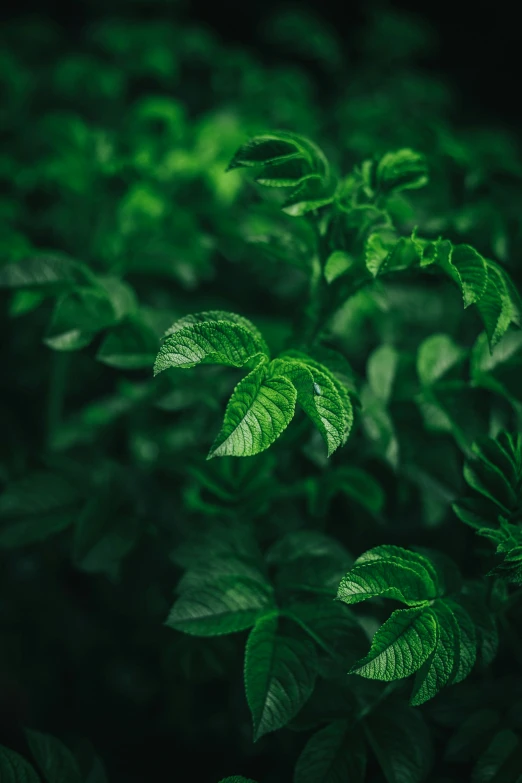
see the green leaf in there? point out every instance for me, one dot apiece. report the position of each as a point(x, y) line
point(311, 195)
point(355, 483)
point(50, 273)
point(131, 345)
point(472, 735)
point(35, 507)
point(267, 150)
point(335, 753)
point(443, 664)
point(378, 249)
point(497, 306)
point(279, 147)
point(401, 170)
point(436, 356)
point(227, 605)
point(237, 779)
point(501, 761)
point(400, 646)
point(77, 317)
point(280, 673)
point(210, 338)
point(381, 370)
point(260, 409)
point(337, 264)
point(389, 572)
point(484, 623)
point(317, 394)
point(15, 769)
point(498, 370)
point(401, 742)
point(53, 758)
point(467, 268)
point(338, 372)
point(336, 631)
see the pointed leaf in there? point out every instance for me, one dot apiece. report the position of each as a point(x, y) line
point(280, 673)
point(387, 572)
point(317, 394)
point(220, 340)
point(401, 170)
point(497, 305)
point(334, 754)
point(443, 664)
point(227, 605)
point(337, 264)
point(400, 646)
point(260, 409)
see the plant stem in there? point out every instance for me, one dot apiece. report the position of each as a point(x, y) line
point(56, 392)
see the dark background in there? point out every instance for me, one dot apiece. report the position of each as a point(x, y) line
point(479, 47)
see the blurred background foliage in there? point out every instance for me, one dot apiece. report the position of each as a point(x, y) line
point(116, 132)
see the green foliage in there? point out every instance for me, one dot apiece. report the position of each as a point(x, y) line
point(494, 473)
point(434, 638)
point(345, 295)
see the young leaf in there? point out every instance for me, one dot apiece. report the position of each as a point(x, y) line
point(335, 753)
point(218, 340)
point(53, 758)
point(467, 268)
point(227, 605)
point(15, 769)
point(337, 264)
point(497, 306)
point(317, 394)
point(274, 149)
point(401, 170)
point(338, 372)
point(260, 409)
point(280, 673)
point(401, 645)
point(268, 150)
point(389, 572)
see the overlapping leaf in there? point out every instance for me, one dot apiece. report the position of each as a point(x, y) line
point(280, 673)
point(435, 637)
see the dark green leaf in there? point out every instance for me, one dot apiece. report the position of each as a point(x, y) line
point(227, 605)
point(335, 753)
point(15, 769)
point(280, 674)
point(53, 758)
